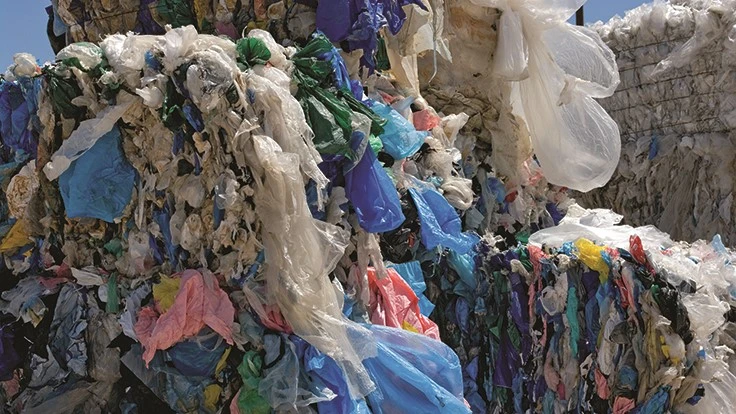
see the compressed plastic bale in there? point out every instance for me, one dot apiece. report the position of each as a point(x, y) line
point(99, 184)
point(373, 195)
point(400, 139)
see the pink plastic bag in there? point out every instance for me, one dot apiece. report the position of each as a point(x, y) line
point(197, 304)
point(393, 303)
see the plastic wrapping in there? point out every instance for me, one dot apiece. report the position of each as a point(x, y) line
point(300, 252)
point(400, 139)
point(440, 223)
point(409, 377)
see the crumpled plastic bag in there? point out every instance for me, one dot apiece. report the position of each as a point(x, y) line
point(300, 252)
point(87, 55)
point(394, 304)
point(358, 22)
point(440, 223)
point(400, 138)
point(373, 195)
point(414, 373)
point(199, 302)
point(249, 401)
point(412, 273)
point(285, 385)
point(83, 138)
point(558, 69)
point(18, 108)
point(99, 184)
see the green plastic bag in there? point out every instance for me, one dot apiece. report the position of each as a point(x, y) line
point(252, 51)
point(251, 370)
point(62, 91)
point(178, 13)
point(307, 62)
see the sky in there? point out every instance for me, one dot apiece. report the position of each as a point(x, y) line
point(23, 25)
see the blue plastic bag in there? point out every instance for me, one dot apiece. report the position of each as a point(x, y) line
point(400, 139)
point(413, 275)
point(358, 22)
point(414, 374)
point(373, 195)
point(198, 356)
point(99, 184)
point(16, 112)
point(320, 367)
point(440, 223)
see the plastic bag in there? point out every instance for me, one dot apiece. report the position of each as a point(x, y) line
point(373, 195)
point(252, 51)
point(576, 142)
point(285, 122)
point(285, 384)
point(599, 226)
point(18, 107)
point(394, 304)
point(414, 373)
point(511, 45)
point(440, 223)
point(248, 399)
point(86, 55)
point(413, 275)
point(99, 184)
point(400, 139)
point(320, 367)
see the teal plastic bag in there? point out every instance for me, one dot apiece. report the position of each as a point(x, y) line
point(400, 139)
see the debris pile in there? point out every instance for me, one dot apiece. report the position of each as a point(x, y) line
point(675, 105)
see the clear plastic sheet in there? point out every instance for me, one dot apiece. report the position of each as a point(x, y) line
point(300, 253)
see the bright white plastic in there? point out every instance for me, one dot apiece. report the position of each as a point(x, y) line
point(575, 140)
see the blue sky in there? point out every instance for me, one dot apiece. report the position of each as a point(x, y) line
point(23, 25)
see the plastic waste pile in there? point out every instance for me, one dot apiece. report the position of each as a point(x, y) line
point(198, 222)
point(675, 105)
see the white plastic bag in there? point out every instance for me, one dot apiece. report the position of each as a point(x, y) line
point(512, 46)
point(559, 72)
